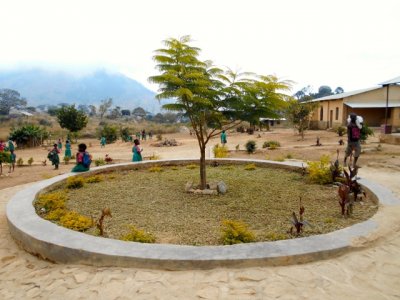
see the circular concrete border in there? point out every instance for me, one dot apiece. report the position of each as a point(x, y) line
point(55, 243)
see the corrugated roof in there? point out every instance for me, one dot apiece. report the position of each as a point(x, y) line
point(374, 104)
point(391, 81)
point(346, 94)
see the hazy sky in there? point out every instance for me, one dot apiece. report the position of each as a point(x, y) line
point(348, 43)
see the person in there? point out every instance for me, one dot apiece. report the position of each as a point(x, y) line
point(13, 158)
point(67, 152)
point(150, 135)
point(83, 159)
point(59, 144)
point(354, 126)
point(53, 157)
point(137, 152)
point(223, 137)
point(11, 146)
point(103, 142)
point(143, 135)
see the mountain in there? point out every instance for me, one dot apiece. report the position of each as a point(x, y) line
point(40, 86)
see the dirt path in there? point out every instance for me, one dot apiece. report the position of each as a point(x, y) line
point(370, 273)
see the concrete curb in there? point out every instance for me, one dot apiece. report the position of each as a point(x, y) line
point(55, 243)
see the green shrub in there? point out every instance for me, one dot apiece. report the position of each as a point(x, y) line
point(99, 162)
point(4, 157)
point(125, 134)
point(137, 235)
point(94, 179)
point(20, 162)
point(155, 169)
point(51, 201)
point(319, 171)
point(251, 147)
point(236, 232)
point(75, 182)
point(250, 167)
point(341, 130)
point(365, 133)
point(110, 132)
point(30, 161)
point(56, 214)
point(289, 156)
point(75, 221)
point(220, 151)
point(271, 144)
point(28, 135)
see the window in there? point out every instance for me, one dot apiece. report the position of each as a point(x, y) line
point(321, 114)
point(337, 114)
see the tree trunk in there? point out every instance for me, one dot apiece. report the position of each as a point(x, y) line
point(203, 179)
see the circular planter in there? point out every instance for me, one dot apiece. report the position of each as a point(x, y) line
point(58, 244)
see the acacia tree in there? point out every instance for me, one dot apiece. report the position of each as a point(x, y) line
point(8, 99)
point(71, 118)
point(213, 101)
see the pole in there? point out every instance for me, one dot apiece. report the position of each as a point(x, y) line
point(387, 105)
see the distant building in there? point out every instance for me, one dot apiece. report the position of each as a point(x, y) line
point(17, 113)
point(376, 105)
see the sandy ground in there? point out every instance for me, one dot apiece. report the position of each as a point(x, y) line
point(372, 272)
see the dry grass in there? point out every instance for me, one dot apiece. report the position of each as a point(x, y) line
point(264, 199)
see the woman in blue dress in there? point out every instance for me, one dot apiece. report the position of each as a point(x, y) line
point(137, 152)
point(67, 152)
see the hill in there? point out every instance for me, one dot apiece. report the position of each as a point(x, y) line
point(52, 87)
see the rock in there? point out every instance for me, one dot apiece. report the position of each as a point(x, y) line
point(212, 185)
point(222, 188)
point(188, 186)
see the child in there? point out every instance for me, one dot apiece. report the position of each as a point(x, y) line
point(13, 158)
point(68, 149)
point(83, 159)
point(137, 152)
point(53, 157)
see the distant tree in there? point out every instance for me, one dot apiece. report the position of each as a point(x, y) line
point(339, 90)
point(28, 135)
point(323, 91)
point(62, 104)
point(125, 112)
point(41, 107)
point(52, 110)
point(84, 108)
point(105, 106)
point(170, 117)
point(299, 114)
point(158, 118)
point(93, 110)
point(139, 112)
point(31, 109)
point(72, 119)
point(110, 132)
point(304, 94)
point(115, 113)
point(8, 99)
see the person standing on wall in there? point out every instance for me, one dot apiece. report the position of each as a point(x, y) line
point(354, 126)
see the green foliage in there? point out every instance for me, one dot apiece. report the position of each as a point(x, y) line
point(155, 169)
point(99, 162)
point(299, 114)
point(75, 182)
point(51, 201)
point(251, 147)
point(56, 214)
point(341, 130)
point(137, 235)
point(125, 134)
point(271, 144)
point(45, 122)
point(66, 159)
point(365, 133)
point(28, 135)
point(289, 156)
point(8, 99)
point(72, 119)
point(5, 157)
point(20, 162)
point(110, 132)
point(75, 221)
point(30, 161)
point(220, 151)
point(236, 232)
point(319, 171)
point(94, 179)
point(250, 167)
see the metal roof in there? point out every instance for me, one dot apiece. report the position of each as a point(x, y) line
point(391, 81)
point(346, 94)
point(374, 104)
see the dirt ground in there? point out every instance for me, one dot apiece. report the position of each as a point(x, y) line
point(386, 156)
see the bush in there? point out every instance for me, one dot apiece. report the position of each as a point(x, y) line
point(55, 215)
point(99, 162)
point(94, 179)
point(4, 157)
point(110, 132)
point(236, 232)
point(341, 130)
point(45, 122)
point(220, 151)
point(155, 169)
point(319, 171)
point(28, 135)
point(136, 235)
point(30, 161)
point(51, 201)
point(20, 162)
point(365, 133)
point(125, 134)
point(250, 167)
point(75, 182)
point(251, 147)
point(75, 221)
point(271, 144)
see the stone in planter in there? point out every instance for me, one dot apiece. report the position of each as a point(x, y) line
point(222, 188)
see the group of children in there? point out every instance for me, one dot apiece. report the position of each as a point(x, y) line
point(83, 158)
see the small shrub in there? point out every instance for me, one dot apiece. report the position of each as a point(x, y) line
point(328, 220)
point(111, 177)
point(319, 171)
point(365, 133)
point(137, 235)
point(155, 169)
point(56, 214)
point(159, 137)
point(75, 182)
point(75, 221)
point(99, 162)
point(271, 145)
point(94, 179)
point(250, 167)
point(30, 161)
point(174, 168)
point(341, 130)
point(191, 167)
point(251, 147)
point(20, 162)
point(220, 151)
point(289, 156)
point(236, 232)
point(51, 201)
point(237, 147)
point(73, 156)
point(66, 160)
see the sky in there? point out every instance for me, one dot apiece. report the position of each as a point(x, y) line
point(348, 43)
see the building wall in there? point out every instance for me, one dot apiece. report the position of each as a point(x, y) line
point(332, 114)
